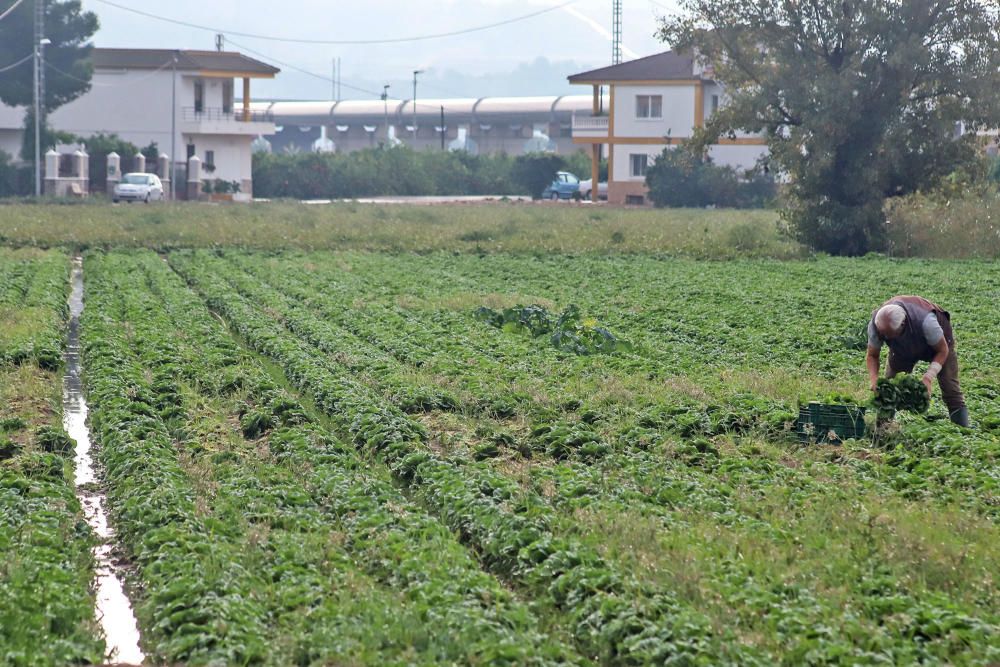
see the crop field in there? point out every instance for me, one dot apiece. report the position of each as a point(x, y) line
point(356, 457)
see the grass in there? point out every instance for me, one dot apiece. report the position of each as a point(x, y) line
point(958, 227)
point(538, 228)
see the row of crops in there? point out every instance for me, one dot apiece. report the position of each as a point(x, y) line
point(46, 566)
point(325, 458)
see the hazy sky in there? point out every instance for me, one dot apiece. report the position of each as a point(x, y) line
point(529, 57)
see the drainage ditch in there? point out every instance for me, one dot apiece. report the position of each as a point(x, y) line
point(114, 611)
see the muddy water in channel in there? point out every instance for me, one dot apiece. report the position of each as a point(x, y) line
point(114, 612)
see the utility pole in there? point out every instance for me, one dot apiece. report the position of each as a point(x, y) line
point(220, 42)
point(616, 32)
point(442, 127)
point(39, 90)
point(385, 104)
point(340, 77)
point(415, 73)
point(333, 80)
point(173, 127)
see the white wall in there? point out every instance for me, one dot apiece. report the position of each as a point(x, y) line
point(739, 157)
point(711, 89)
point(622, 161)
point(135, 105)
point(10, 143)
point(232, 156)
point(11, 124)
point(678, 112)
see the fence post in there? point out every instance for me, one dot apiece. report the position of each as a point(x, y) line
point(163, 170)
point(194, 178)
point(114, 172)
point(52, 173)
point(140, 163)
point(81, 171)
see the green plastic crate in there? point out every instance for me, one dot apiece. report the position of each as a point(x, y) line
point(830, 423)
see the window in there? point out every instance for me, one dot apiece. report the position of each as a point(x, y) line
point(635, 200)
point(190, 151)
point(227, 96)
point(210, 159)
point(715, 103)
point(199, 96)
point(649, 106)
point(637, 164)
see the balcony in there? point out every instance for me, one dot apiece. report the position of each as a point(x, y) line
point(215, 120)
point(590, 127)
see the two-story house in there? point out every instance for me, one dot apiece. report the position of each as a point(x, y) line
point(140, 94)
point(654, 102)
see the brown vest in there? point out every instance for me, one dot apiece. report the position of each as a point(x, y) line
point(911, 346)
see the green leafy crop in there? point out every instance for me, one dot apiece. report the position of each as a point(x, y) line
point(903, 392)
point(570, 332)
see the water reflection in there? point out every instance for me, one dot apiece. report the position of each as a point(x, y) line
point(114, 612)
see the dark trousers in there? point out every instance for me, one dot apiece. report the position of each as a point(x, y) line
point(951, 392)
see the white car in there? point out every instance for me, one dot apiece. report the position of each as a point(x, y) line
point(586, 187)
point(138, 187)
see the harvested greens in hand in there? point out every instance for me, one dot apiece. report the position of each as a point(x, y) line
point(903, 392)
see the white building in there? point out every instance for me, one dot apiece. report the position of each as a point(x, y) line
point(512, 125)
point(131, 93)
point(655, 102)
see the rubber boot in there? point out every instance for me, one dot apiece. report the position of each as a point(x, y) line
point(961, 417)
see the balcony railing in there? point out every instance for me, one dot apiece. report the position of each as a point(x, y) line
point(220, 114)
point(593, 123)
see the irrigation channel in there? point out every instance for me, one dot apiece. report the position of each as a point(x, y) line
point(114, 611)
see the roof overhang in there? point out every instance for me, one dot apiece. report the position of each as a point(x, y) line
point(222, 74)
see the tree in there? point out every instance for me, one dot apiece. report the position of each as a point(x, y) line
point(535, 171)
point(858, 99)
point(68, 68)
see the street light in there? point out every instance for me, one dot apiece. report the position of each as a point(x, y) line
point(415, 73)
point(38, 112)
point(385, 102)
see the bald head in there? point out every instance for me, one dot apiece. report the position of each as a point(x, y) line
point(889, 320)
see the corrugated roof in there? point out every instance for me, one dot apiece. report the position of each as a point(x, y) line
point(660, 67)
point(484, 108)
point(432, 106)
point(217, 61)
point(573, 103)
point(517, 105)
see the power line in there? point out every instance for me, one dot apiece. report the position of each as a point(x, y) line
point(321, 76)
point(19, 62)
point(294, 40)
point(9, 10)
point(100, 84)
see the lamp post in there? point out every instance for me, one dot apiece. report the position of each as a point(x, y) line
point(385, 103)
point(42, 41)
point(415, 73)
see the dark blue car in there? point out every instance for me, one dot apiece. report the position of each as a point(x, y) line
point(565, 186)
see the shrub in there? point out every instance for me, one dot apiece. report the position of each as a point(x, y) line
point(679, 178)
point(382, 171)
point(15, 180)
point(535, 171)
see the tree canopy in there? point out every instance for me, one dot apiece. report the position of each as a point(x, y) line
point(859, 99)
point(68, 70)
